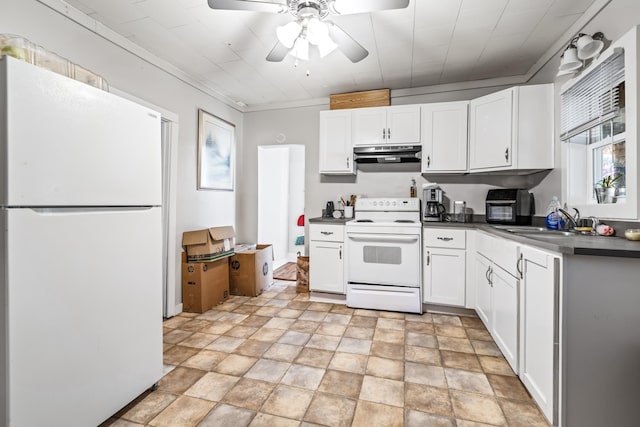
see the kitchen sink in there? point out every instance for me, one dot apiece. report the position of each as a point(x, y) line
point(529, 231)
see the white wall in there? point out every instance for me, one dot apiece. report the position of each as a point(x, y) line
point(127, 72)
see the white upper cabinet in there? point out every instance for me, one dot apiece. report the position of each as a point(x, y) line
point(444, 137)
point(386, 125)
point(335, 148)
point(512, 129)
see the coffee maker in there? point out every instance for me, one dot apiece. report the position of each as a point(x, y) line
point(433, 209)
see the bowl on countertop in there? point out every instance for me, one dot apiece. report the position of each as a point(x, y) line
point(632, 233)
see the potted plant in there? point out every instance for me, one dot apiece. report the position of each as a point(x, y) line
point(606, 190)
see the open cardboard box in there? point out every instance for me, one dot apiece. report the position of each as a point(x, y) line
point(208, 244)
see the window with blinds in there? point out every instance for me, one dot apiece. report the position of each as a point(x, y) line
point(593, 100)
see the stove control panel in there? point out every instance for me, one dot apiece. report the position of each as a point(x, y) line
point(404, 204)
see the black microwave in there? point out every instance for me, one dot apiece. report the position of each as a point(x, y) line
point(512, 206)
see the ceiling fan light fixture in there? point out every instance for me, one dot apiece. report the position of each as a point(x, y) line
point(287, 34)
point(301, 49)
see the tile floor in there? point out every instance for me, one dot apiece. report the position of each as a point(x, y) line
point(281, 360)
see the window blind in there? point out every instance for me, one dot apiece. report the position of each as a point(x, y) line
point(594, 99)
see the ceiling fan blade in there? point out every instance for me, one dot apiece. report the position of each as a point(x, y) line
point(255, 6)
point(347, 45)
point(278, 53)
point(345, 7)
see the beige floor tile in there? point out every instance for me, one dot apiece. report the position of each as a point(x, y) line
point(467, 423)
point(227, 306)
point(521, 414)
point(150, 406)
point(340, 319)
point(175, 322)
point(175, 336)
point(315, 316)
point(249, 394)
point(421, 419)
point(166, 346)
point(476, 382)
point(462, 345)
point(211, 315)
point(234, 318)
point(178, 354)
point(476, 407)
point(267, 370)
point(320, 306)
point(429, 356)
point(360, 333)
point(253, 348)
point(195, 325)
point(356, 363)
point(199, 340)
point(267, 311)
point(424, 374)
point(269, 335)
point(212, 386)
point(217, 328)
point(246, 309)
point(240, 331)
point(255, 321)
point(279, 323)
point(224, 415)
point(446, 319)
point(486, 348)
point(394, 324)
point(205, 360)
point(392, 315)
point(420, 327)
point(366, 313)
point(183, 412)
point(332, 329)
point(370, 414)
point(289, 313)
point(342, 309)
point(422, 340)
point(382, 390)
point(283, 352)
point(306, 326)
point(289, 402)
point(330, 410)
point(323, 342)
point(471, 322)
point(428, 399)
point(303, 376)
point(314, 357)
point(235, 364)
point(115, 422)
point(298, 305)
point(385, 368)
point(445, 330)
point(294, 338)
point(454, 359)
point(267, 420)
point(277, 303)
point(363, 321)
point(425, 317)
point(354, 345)
point(495, 365)
point(508, 387)
point(225, 344)
point(388, 335)
point(388, 350)
point(180, 379)
point(479, 334)
point(345, 384)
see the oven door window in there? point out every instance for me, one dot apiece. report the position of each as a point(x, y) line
point(382, 255)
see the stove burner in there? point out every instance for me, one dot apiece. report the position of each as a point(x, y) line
point(364, 220)
point(404, 220)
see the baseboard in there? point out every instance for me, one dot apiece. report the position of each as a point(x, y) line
point(445, 309)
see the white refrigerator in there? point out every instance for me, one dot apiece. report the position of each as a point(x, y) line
point(80, 249)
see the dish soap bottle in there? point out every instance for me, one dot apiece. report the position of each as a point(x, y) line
point(553, 220)
point(413, 191)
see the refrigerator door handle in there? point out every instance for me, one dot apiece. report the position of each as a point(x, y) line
point(89, 209)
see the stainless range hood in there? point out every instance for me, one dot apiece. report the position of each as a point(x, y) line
point(388, 154)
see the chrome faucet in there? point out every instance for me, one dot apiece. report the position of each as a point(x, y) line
point(573, 220)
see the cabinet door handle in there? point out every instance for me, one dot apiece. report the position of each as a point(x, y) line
point(384, 133)
point(428, 161)
point(347, 162)
point(486, 275)
point(445, 239)
point(506, 154)
point(340, 253)
point(428, 258)
point(519, 267)
point(491, 276)
point(388, 133)
point(326, 233)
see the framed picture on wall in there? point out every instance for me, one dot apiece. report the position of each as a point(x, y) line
point(216, 153)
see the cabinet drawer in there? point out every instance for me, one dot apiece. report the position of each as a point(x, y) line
point(326, 232)
point(502, 252)
point(444, 238)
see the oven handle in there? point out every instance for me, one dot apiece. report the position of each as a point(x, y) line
point(365, 237)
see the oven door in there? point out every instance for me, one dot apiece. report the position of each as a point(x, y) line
point(383, 258)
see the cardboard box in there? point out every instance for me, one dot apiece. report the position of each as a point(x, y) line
point(204, 285)
point(251, 271)
point(208, 244)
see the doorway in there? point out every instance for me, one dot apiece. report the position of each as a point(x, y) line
point(281, 194)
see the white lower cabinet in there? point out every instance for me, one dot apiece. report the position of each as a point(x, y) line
point(538, 328)
point(444, 272)
point(483, 289)
point(326, 258)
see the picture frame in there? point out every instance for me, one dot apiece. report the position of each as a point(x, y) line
point(216, 153)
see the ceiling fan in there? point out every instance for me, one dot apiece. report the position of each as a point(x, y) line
point(309, 27)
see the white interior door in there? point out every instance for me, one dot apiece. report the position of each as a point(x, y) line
point(273, 200)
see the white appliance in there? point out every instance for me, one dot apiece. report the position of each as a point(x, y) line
point(383, 255)
point(80, 250)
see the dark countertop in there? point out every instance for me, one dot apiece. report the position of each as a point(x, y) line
point(571, 245)
point(323, 220)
